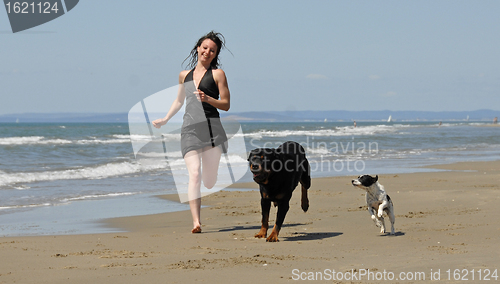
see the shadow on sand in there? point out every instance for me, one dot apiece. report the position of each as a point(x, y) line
point(257, 228)
point(296, 236)
point(310, 236)
point(396, 234)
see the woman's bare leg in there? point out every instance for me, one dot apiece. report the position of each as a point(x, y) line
point(193, 164)
point(210, 161)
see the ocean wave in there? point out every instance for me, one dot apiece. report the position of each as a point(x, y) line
point(105, 171)
point(177, 161)
point(102, 141)
point(98, 196)
point(29, 140)
point(441, 151)
point(95, 172)
point(234, 159)
point(337, 131)
point(318, 151)
point(159, 155)
point(132, 136)
point(25, 206)
point(397, 154)
point(41, 140)
point(67, 200)
point(126, 138)
point(171, 137)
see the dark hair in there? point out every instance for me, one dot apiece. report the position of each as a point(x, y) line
point(219, 40)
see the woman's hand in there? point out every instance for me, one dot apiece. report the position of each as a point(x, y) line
point(201, 96)
point(159, 122)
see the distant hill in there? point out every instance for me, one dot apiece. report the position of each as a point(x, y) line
point(272, 116)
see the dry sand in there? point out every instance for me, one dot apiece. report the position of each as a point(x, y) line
point(444, 220)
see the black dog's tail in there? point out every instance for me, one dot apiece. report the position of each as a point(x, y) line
point(305, 178)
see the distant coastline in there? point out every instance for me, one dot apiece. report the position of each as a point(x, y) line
point(64, 117)
point(270, 116)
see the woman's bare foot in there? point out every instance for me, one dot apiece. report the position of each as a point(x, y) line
point(196, 230)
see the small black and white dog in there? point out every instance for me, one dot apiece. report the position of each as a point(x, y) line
point(377, 200)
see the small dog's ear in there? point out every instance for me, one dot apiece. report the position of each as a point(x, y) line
point(376, 178)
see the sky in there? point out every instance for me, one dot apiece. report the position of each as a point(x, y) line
point(105, 56)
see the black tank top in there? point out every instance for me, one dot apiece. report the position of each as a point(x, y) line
point(209, 87)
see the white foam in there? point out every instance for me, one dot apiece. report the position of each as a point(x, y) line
point(40, 140)
point(173, 154)
point(234, 159)
point(340, 131)
point(141, 137)
point(25, 206)
point(95, 196)
point(116, 139)
point(102, 141)
point(96, 172)
point(318, 151)
point(176, 162)
point(134, 137)
point(28, 140)
point(171, 137)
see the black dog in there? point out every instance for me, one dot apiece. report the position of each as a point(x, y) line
point(278, 172)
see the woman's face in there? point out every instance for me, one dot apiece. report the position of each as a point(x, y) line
point(207, 51)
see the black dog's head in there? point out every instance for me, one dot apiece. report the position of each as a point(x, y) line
point(364, 181)
point(260, 162)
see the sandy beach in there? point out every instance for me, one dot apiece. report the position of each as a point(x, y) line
point(445, 220)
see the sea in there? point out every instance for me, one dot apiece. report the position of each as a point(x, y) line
point(66, 178)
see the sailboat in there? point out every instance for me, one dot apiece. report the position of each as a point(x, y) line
point(389, 119)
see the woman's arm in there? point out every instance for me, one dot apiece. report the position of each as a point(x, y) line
point(223, 103)
point(176, 105)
